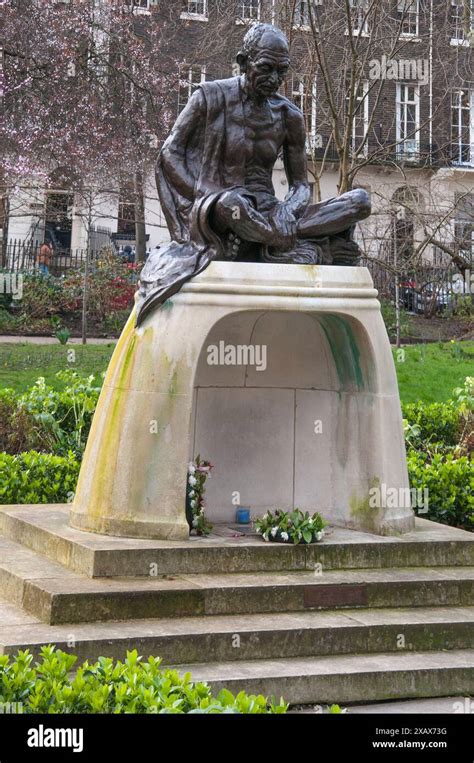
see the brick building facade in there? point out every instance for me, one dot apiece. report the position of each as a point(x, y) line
point(388, 97)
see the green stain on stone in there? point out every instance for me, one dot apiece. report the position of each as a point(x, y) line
point(173, 387)
point(344, 350)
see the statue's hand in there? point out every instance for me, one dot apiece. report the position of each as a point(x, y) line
point(284, 224)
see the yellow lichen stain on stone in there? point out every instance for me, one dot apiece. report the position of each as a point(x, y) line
point(100, 462)
point(122, 344)
point(140, 366)
point(362, 512)
point(311, 271)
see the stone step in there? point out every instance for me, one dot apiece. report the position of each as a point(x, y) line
point(345, 678)
point(57, 595)
point(45, 529)
point(237, 637)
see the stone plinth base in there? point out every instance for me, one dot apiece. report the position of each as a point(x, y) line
point(281, 375)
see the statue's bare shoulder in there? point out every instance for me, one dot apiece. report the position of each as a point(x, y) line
point(293, 119)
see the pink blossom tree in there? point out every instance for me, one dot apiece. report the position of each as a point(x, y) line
point(86, 92)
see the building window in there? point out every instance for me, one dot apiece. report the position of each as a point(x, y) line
point(359, 21)
point(440, 258)
point(464, 226)
point(303, 94)
point(408, 17)
point(360, 121)
point(464, 239)
point(462, 127)
point(303, 13)
point(248, 10)
point(195, 9)
point(190, 77)
point(403, 238)
point(126, 212)
point(408, 120)
point(58, 218)
point(462, 21)
point(141, 6)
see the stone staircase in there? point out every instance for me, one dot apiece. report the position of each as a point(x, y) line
point(356, 618)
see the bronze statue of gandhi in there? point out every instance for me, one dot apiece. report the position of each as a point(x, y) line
point(214, 179)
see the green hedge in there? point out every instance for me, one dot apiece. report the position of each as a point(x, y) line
point(132, 686)
point(450, 484)
point(37, 478)
point(440, 438)
point(437, 422)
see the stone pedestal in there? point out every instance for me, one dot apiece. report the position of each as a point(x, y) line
point(281, 375)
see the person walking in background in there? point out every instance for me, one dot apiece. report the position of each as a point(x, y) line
point(44, 259)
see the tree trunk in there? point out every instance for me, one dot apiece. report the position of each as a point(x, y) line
point(85, 285)
point(140, 232)
point(5, 211)
point(397, 293)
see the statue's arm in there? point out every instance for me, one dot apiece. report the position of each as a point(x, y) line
point(294, 156)
point(173, 158)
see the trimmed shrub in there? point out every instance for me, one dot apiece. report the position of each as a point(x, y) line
point(132, 686)
point(437, 422)
point(37, 478)
point(450, 484)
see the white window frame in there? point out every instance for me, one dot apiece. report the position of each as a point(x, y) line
point(298, 96)
point(142, 6)
point(459, 234)
point(300, 22)
point(191, 15)
point(401, 121)
point(361, 7)
point(242, 19)
point(459, 37)
point(463, 224)
point(362, 97)
point(405, 12)
point(457, 109)
point(186, 74)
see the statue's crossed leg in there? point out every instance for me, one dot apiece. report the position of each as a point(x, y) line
point(322, 234)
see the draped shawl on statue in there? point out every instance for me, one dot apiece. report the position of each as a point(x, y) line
point(213, 156)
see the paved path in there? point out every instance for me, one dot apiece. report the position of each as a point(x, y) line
point(444, 705)
point(50, 340)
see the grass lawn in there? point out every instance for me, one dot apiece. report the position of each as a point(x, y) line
point(426, 372)
point(22, 364)
point(429, 372)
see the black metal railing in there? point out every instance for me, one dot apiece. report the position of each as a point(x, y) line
point(24, 256)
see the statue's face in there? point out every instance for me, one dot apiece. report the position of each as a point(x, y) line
point(268, 67)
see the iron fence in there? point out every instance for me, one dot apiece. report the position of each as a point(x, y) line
point(425, 289)
point(22, 256)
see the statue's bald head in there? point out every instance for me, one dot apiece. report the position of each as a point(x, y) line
point(264, 59)
point(263, 36)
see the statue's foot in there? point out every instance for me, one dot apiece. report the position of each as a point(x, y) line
point(344, 250)
point(305, 252)
point(231, 246)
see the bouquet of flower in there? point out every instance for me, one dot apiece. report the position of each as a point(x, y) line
point(291, 527)
point(198, 472)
